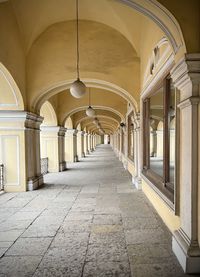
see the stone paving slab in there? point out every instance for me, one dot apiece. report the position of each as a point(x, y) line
point(86, 221)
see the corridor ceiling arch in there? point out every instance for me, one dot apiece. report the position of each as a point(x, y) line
point(104, 108)
point(94, 83)
point(100, 11)
point(86, 119)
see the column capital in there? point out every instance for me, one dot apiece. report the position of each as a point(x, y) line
point(193, 100)
point(25, 119)
point(81, 133)
point(186, 75)
point(54, 129)
point(71, 132)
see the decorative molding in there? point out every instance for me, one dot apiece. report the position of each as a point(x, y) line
point(158, 77)
point(186, 72)
point(162, 11)
point(188, 102)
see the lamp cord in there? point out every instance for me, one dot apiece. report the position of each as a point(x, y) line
point(89, 98)
point(77, 39)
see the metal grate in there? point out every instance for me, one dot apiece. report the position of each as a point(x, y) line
point(44, 165)
point(1, 176)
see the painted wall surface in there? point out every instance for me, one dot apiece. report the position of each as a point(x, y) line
point(11, 51)
point(12, 156)
point(172, 221)
point(49, 149)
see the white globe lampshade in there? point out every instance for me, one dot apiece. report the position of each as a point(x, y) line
point(78, 89)
point(95, 121)
point(90, 112)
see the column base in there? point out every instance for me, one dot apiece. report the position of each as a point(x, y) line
point(190, 263)
point(62, 166)
point(125, 164)
point(83, 155)
point(76, 158)
point(137, 182)
point(34, 183)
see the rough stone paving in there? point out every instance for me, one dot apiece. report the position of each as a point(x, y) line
point(86, 221)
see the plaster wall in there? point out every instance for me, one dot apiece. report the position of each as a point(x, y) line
point(11, 51)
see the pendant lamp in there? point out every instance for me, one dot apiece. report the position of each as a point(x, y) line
point(78, 88)
point(90, 111)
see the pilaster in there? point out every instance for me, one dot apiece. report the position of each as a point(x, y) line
point(71, 145)
point(80, 144)
point(20, 150)
point(52, 147)
point(86, 150)
point(137, 162)
point(186, 76)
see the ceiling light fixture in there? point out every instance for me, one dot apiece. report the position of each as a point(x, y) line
point(78, 88)
point(90, 111)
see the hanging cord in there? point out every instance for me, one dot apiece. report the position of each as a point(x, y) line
point(89, 98)
point(77, 39)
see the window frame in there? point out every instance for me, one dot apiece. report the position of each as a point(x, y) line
point(161, 183)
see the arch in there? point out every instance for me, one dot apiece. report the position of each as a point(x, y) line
point(95, 107)
point(160, 126)
point(95, 83)
point(163, 19)
point(92, 125)
point(78, 127)
point(10, 95)
point(99, 116)
point(68, 123)
point(47, 111)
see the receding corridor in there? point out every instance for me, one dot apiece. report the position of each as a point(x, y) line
point(86, 221)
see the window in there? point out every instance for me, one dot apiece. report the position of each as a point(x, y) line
point(159, 111)
point(130, 138)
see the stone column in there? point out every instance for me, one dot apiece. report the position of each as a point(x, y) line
point(86, 150)
point(61, 149)
point(92, 142)
point(80, 144)
point(186, 77)
point(137, 160)
point(120, 143)
point(20, 150)
point(52, 147)
point(71, 145)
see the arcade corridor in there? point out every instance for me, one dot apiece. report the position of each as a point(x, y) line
point(86, 221)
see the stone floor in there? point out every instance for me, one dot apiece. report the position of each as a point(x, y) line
point(86, 221)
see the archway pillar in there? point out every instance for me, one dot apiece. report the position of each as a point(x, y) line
point(80, 144)
point(52, 147)
point(71, 145)
point(86, 150)
point(121, 141)
point(89, 143)
point(137, 154)
point(186, 77)
point(20, 150)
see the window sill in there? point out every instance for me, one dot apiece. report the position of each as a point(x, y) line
point(155, 182)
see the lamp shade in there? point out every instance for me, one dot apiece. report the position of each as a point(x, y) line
point(78, 89)
point(90, 112)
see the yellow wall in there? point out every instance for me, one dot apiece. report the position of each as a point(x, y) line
point(11, 48)
point(172, 221)
point(12, 145)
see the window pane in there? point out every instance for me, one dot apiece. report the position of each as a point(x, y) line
point(156, 132)
point(172, 126)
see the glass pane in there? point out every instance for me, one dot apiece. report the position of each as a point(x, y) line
point(156, 132)
point(172, 126)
